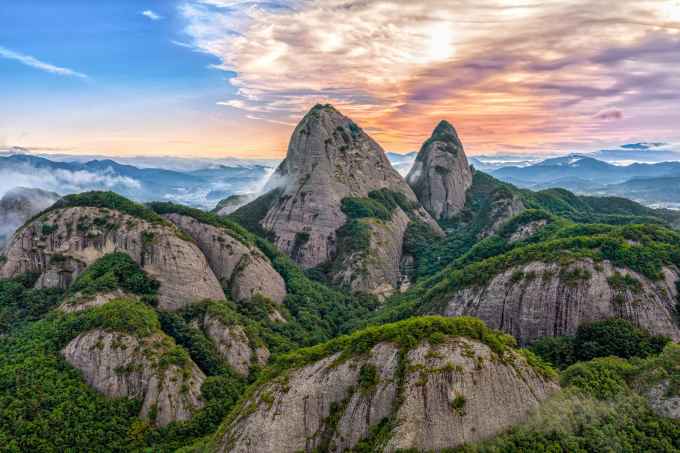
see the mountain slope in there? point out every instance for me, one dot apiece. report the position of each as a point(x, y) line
point(332, 162)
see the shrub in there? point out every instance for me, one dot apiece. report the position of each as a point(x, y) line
point(602, 378)
point(114, 271)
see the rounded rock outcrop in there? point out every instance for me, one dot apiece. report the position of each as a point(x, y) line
point(61, 243)
point(540, 299)
point(440, 392)
point(241, 268)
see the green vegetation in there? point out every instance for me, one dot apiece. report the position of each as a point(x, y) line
point(613, 337)
point(250, 215)
point(20, 304)
point(232, 228)
point(571, 423)
point(115, 271)
point(317, 312)
point(458, 405)
point(643, 248)
point(107, 200)
point(406, 334)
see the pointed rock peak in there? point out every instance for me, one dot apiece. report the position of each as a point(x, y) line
point(445, 132)
point(441, 174)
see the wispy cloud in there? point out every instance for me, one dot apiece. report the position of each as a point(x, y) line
point(532, 74)
point(35, 63)
point(151, 15)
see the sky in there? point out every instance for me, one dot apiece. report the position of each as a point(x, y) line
point(221, 78)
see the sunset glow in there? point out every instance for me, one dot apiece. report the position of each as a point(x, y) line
point(537, 76)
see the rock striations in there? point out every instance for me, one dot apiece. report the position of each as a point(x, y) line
point(441, 175)
point(329, 159)
point(427, 397)
point(548, 299)
point(241, 268)
point(121, 365)
point(61, 243)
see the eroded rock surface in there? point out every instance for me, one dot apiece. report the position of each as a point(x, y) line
point(329, 158)
point(377, 269)
point(450, 393)
point(63, 242)
point(233, 344)
point(243, 269)
point(546, 299)
point(441, 174)
point(124, 366)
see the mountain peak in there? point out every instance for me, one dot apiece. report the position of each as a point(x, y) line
point(444, 128)
point(441, 174)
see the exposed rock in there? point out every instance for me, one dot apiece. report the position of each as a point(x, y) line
point(329, 158)
point(376, 270)
point(233, 344)
point(295, 411)
point(20, 204)
point(460, 392)
point(661, 402)
point(546, 299)
point(441, 174)
point(502, 209)
point(77, 302)
point(124, 366)
point(63, 242)
point(527, 230)
point(232, 203)
point(241, 268)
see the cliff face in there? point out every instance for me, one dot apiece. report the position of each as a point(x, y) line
point(242, 269)
point(63, 242)
point(377, 269)
point(234, 346)
point(329, 158)
point(450, 393)
point(441, 174)
point(124, 366)
point(545, 299)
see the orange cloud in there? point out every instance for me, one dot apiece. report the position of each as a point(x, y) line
point(510, 76)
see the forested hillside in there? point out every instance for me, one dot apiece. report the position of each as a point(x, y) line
point(516, 321)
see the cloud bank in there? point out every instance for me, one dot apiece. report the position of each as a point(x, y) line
point(512, 75)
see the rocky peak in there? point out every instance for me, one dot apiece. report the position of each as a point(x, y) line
point(329, 158)
point(441, 173)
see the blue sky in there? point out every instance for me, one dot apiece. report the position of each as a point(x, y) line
point(232, 77)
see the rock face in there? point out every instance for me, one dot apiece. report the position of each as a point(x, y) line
point(661, 402)
point(376, 270)
point(441, 174)
point(454, 392)
point(80, 303)
point(527, 230)
point(20, 204)
point(242, 269)
point(329, 158)
point(124, 366)
point(63, 242)
point(545, 299)
point(234, 345)
point(501, 210)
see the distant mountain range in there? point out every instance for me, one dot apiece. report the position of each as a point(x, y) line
point(649, 183)
point(201, 187)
